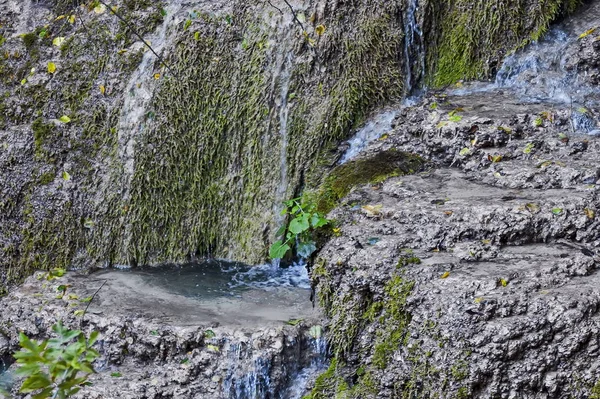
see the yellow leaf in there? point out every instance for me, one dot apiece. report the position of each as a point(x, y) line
point(58, 41)
point(66, 176)
point(23, 81)
point(503, 282)
point(157, 76)
point(320, 29)
point(59, 18)
point(587, 32)
point(102, 89)
point(72, 19)
point(445, 275)
point(51, 67)
point(478, 300)
point(589, 213)
point(100, 9)
point(64, 119)
point(122, 51)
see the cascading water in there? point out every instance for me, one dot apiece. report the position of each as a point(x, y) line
point(544, 72)
point(139, 92)
point(6, 380)
point(414, 48)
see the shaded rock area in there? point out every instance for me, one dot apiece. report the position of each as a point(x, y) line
point(157, 344)
point(478, 276)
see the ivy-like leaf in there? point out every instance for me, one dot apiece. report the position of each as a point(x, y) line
point(278, 250)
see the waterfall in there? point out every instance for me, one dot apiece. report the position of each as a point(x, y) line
point(414, 49)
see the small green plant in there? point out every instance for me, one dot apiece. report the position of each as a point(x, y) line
point(299, 232)
point(58, 367)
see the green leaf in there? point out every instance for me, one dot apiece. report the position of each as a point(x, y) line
point(209, 334)
point(64, 119)
point(557, 211)
point(66, 176)
point(280, 231)
point(116, 375)
point(293, 322)
point(278, 250)
point(318, 221)
point(299, 224)
point(35, 382)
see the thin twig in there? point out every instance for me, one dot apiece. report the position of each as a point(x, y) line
point(275, 7)
point(90, 302)
point(130, 26)
point(294, 14)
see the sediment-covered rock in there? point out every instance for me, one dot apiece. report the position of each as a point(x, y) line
point(478, 280)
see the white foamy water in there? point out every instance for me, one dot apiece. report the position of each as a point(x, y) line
point(371, 131)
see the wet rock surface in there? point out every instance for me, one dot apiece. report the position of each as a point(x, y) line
point(154, 343)
point(490, 257)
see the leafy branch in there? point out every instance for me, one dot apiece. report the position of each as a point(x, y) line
point(58, 367)
point(299, 233)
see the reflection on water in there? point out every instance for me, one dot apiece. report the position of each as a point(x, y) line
point(215, 278)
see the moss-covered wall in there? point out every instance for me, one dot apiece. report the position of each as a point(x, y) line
point(209, 169)
point(50, 169)
point(468, 39)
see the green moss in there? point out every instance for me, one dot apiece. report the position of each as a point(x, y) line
point(47, 178)
point(330, 384)
point(374, 169)
point(595, 391)
point(395, 320)
point(41, 131)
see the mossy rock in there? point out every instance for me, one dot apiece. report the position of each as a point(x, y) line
point(374, 169)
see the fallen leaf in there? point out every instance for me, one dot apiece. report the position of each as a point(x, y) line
point(66, 176)
point(157, 76)
point(464, 152)
point(213, 348)
point(100, 9)
point(58, 41)
point(587, 32)
point(557, 211)
point(64, 119)
point(51, 67)
point(445, 275)
point(102, 89)
point(72, 19)
point(494, 158)
point(372, 210)
point(478, 300)
point(503, 282)
point(589, 213)
point(448, 213)
point(533, 208)
point(320, 30)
